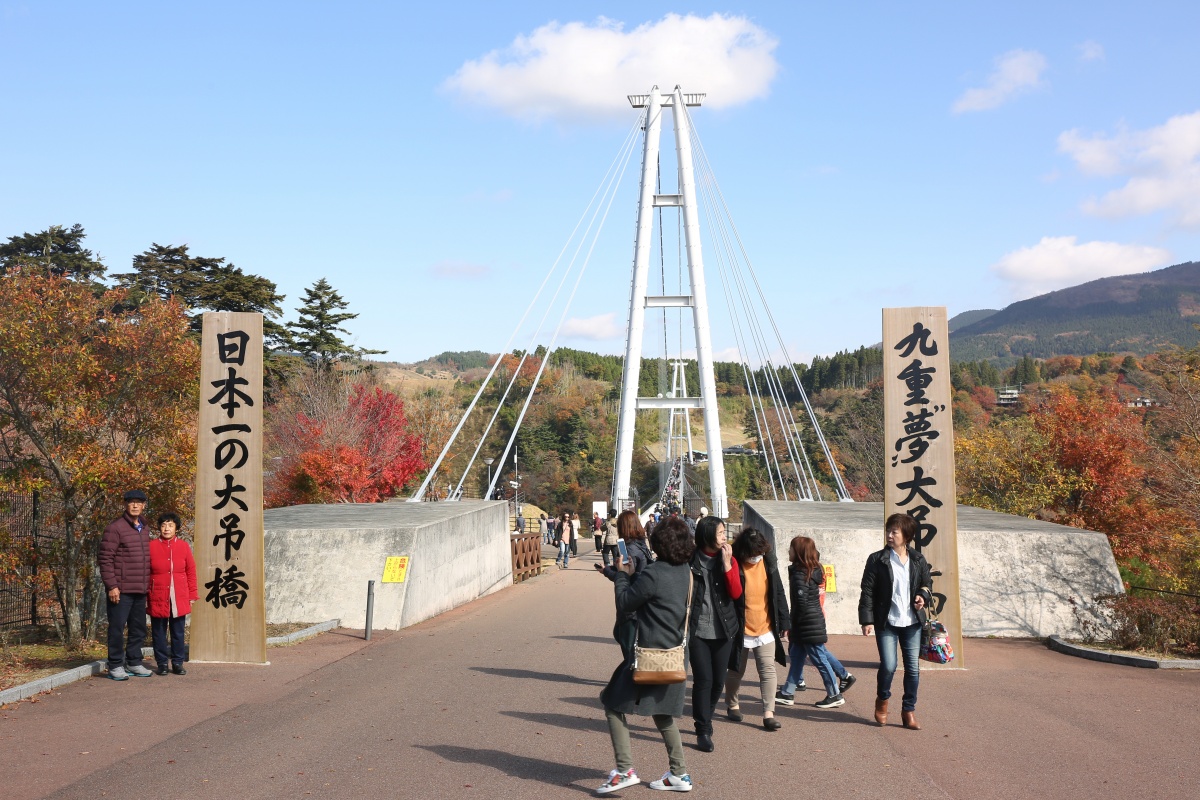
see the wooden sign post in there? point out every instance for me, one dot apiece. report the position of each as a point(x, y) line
point(229, 622)
point(919, 448)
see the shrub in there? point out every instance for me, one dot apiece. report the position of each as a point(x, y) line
point(1163, 624)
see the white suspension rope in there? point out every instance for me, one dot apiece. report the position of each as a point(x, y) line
point(420, 494)
point(843, 494)
point(562, 318)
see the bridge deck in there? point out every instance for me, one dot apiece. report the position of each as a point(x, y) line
point(498, 699)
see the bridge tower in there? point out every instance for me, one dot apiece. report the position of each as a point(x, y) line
point(654, 103)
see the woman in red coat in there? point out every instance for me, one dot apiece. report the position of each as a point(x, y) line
point(172, 590)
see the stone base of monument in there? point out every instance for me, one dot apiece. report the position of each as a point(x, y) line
point(1018, 576)
point(319, 559)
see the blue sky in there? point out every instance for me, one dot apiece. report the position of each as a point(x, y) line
point(430, 160)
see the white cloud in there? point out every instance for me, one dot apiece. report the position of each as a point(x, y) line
point(1162, 165)
point(1016, 72)
point(1090, 51)
point(459, 270)
point(581, 71)
point(601, 326)
point(1059, 261)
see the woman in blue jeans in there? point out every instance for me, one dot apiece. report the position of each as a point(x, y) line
point(806, 577)
point(896, 589)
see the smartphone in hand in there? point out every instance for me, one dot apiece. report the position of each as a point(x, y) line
point(623, 549)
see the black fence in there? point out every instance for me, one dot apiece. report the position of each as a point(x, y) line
point(27, 527)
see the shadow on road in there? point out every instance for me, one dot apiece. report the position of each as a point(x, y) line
point(551, 772)
point(592, 639)
point(528, 674)
point(594, 724)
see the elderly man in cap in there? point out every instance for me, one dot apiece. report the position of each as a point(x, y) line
point(125, 568)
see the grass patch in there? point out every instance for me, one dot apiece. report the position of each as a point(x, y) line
point(28, 653)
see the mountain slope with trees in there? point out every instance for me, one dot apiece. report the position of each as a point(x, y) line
point(1137, 314)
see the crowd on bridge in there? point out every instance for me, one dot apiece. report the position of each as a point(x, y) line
point(688, 596)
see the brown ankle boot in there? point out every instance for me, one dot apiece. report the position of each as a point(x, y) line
point(881, 711)
point(909, 718)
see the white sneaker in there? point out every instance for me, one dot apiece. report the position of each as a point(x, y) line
point(672, 783)
point(118, 674)
point(619, 780)
point(140, 672)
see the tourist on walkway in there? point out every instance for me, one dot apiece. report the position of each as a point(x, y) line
point(806, 578)
point(552, 531)
point(565, 540)
point(763, 614)
point(172, 590)
point(543, 529)
point(598, 531)
point(610, 536)
point(575, 533)
point(659, 597)
point(896, 589)
point(714, 623)
point(629, 529)
point(124, 561)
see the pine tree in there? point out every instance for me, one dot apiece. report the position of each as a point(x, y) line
point(54, 251)
point(315, 333)
point(204, 284)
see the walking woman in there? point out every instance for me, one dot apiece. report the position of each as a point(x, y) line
point(172, 590)
point(763, 615)
point(630, 529)
point(659, 597)
point(896, 589)
point(714, 623)
point(806, 577)
point(566, 538)
point(610, 535)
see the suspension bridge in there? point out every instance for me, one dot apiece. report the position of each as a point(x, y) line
point(672, 306)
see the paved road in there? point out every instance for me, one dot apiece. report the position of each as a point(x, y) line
point(498, 699)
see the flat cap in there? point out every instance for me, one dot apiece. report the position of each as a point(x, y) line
point(135, 494)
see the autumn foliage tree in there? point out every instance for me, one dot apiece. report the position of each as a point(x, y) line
point(332, 440)
point(92, 402)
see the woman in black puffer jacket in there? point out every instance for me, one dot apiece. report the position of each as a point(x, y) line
point(806, 576)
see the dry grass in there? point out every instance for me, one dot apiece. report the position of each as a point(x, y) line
point(27, 654)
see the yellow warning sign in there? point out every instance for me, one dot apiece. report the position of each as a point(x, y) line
point(830, 578)
point(395, 569)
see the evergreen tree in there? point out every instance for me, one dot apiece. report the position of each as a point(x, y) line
point(204, 284)
point(54, 251)
point(315, 333)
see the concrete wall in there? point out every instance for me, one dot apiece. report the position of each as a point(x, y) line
point(1019, 577)
point(319, 559)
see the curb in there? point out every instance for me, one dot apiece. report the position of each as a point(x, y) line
point(27, 690)
point(306, 633)
point(1146, 662)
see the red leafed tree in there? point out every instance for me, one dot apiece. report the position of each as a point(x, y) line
point(1096, 437)
point(335, 442)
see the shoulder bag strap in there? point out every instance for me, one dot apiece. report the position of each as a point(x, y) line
point(687, 614)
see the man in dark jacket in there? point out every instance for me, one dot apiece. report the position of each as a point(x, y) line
point(125, 569)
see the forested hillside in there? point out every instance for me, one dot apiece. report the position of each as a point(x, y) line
point(1136, 314)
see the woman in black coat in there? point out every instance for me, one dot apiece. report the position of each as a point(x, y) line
point(896, 589)
point(714, 623)
point(630, 529)
point(806, 579)
point(762, 613)
point(659, 597)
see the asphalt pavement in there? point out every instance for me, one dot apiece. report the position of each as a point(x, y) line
point(499, 699)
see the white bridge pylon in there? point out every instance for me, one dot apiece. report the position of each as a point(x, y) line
point(639, 301)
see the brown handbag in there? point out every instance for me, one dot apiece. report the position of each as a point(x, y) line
point(654, 666)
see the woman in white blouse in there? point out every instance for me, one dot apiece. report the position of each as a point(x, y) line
point(896, 589)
